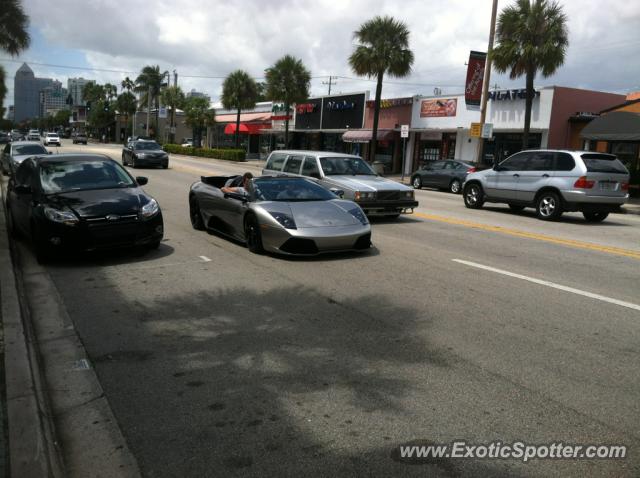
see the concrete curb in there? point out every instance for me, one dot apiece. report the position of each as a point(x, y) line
point(33, 447)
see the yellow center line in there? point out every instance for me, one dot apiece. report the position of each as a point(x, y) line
point(531, 235)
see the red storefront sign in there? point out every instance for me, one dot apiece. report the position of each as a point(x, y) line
point(475, 77)
point(438, 107)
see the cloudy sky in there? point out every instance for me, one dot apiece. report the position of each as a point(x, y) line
point(205, 40)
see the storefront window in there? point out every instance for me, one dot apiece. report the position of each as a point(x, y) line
point(627, 153)
point(503, 145)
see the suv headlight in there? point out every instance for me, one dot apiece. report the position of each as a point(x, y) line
point(359, 215)
point(284, 219)
point(364, 195)
point(150, 209)
point(62, 217)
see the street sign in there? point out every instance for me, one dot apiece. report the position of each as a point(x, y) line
point(476, 130)
point(487, 130)
point(404, 131)
point(162, 113)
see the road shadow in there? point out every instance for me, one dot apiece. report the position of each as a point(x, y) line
point(565, 218)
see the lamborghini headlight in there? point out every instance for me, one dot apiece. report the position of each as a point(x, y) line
point(285, 220)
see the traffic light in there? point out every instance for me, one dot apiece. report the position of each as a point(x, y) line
point(88, 105)
point(106, 107)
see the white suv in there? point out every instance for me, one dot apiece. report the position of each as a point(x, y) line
point(51, 138)
point(552, 182)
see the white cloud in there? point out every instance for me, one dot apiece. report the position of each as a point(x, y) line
point(212, 38)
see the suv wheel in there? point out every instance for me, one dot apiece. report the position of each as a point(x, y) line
point(455, 186)
point(549, 206)
point(416, 182)
point(473, 196)
point(595, 216)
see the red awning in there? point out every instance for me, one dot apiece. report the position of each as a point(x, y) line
point(364, 135)
point(246, 128)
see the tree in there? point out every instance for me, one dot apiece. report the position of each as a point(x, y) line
point(382, 48)
point(101, 116)
point(174, 98)
point(198, 116)
point(126, 104)
point(149, 84)
point(531, 36)
point(127, 84)
point(14, 36)
point(288, 81)
point(239, 91)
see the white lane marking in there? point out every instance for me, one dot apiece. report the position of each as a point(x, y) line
point(551, 284)
point(204, 258)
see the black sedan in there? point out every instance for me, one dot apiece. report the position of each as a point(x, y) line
point(81, 202)
point(449, 174)
point(144, 153)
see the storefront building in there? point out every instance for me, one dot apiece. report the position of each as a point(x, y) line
point(252, 122)
point(394, 112)
point(321, 122)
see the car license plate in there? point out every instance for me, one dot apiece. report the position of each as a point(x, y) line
point(607, 185)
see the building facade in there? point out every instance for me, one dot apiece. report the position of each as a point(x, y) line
point(27, 90)
point(75, 87)
point(53, 98)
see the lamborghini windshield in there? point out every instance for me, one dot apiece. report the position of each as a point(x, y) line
point(289, 190)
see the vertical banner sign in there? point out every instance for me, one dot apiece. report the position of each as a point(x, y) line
point(475, 76)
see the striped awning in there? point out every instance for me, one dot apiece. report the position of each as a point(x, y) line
point(364, 135)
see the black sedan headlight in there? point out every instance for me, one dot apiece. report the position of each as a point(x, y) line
point(65, 217)
point(408, 194)
point(285, 220)
point(150, 209)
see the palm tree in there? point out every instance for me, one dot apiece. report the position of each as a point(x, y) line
point(149, 84)
point(383, 47)
point(127, 84)
point(14, 36)
point(173, 97)
point(531, 36)
point(198, 116)
point(287, 81)
point(239, 91)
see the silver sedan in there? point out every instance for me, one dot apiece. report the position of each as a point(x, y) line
point(284, 215)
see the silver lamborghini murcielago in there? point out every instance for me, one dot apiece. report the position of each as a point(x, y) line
point(285, 215)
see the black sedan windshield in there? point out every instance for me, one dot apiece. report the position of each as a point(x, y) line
point(294, 189)
point(24, 149)
point(146, 145)
point(345, 166)
point(75, 175)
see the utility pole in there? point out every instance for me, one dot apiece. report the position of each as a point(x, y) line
point(487, 79)
point(330, 82)
point(175, 78)
point(148, 109)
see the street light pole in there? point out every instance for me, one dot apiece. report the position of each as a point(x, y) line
point(487, 79)
point(148, 109)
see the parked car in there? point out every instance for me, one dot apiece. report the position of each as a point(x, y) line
point(449, 174)
point(51, 138)
point(553, 181)
point(376, 195)
point(81, 202)
point(5, 137)
point(14, 153)
point(17, 135)
point(144, 153)
point(187, 142)
point(80, 138)
point(284, 215)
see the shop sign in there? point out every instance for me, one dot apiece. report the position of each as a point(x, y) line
point(436, 108)
point(511, 95)
point(431, 136)
point(475, 130)
point(475, 78)
point(340, 105)
point(487, 130)
point(391, 103)
point(306, 108)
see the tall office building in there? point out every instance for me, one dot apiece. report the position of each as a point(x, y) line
point(197, 94)
point(26, 91)
point(75, 87)
point(53, 99)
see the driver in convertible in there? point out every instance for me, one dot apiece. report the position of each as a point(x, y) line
point(238, 184)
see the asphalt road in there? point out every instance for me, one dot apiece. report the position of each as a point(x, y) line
point(458, 324)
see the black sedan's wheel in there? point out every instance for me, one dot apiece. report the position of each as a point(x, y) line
point(595, 216)
point(253, 235)
point(549, 206)
point(133, 162)
point(416, 182)
point(473, 196)
point(195, 215)
point(124, 160)
point(455, 187)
